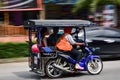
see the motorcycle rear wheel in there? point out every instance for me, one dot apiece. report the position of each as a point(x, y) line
point(51, 71)
point(94, 66)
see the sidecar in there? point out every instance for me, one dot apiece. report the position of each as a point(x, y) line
point(38, 55)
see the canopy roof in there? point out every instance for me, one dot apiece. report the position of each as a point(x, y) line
point(56, 23)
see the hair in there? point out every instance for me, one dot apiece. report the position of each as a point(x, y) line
point(55, 29)
point(43, 30)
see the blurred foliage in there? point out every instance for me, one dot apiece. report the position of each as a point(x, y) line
point(13, 50)
point(93, 4)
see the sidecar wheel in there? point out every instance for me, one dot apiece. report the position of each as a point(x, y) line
point(51, 71)
point(94, 66)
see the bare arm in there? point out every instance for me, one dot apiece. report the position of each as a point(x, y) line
point(79, 44)
point(45, 41)
point(70, 39)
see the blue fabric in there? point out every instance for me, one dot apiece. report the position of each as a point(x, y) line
point(47, 49)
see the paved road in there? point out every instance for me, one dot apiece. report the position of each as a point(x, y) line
point(20, 71)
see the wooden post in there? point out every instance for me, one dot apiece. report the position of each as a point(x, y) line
point(6, 22)
point(6, 18)
point(41, 12)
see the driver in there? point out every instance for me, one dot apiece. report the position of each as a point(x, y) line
point(65, 43)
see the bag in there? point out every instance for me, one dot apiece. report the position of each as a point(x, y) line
point(63, 44)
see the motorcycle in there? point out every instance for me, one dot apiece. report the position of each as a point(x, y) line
point(53, 62)
point(65, 63)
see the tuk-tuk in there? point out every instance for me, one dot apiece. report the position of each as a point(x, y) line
point(53, 62)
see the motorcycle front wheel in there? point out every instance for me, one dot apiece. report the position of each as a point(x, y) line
point(94, 66)
point(51, 71)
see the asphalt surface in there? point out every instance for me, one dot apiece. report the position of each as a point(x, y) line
point(20, 71)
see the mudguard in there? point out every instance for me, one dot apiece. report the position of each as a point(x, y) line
point(93, 56)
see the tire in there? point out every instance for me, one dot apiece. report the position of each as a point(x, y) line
point(51, 71)
point(94, 66)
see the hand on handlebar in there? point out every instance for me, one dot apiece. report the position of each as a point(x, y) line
point(82, 44)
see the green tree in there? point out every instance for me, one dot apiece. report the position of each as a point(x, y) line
point(93, 4)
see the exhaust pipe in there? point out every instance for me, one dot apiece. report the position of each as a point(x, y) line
point(63, 69)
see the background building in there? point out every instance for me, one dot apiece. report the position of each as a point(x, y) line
point(13, 13)
point(62, 9)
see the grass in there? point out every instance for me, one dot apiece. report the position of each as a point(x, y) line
point(13, 49)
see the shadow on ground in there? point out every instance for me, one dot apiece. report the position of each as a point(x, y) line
point(29, 75)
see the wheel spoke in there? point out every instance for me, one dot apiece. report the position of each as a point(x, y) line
point(51, 70)
point(55, 72)
point(50, 66)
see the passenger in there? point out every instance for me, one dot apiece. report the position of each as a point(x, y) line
point(44, 33)
point(54, 37)
point(66, 42)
